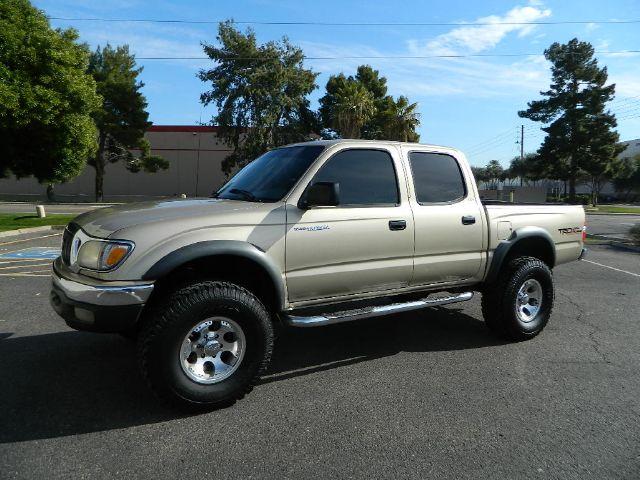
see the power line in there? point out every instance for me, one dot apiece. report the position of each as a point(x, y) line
point(391, 57)
point(347, 24)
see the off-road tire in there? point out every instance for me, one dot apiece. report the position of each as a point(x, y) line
point(164, 330)
point(499, 300)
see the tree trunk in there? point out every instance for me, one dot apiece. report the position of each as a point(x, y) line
point(99, 166)
point(572, 189)
point(50, 193)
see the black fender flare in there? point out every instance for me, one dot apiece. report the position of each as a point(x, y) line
point(504, 247)
point(212, 248)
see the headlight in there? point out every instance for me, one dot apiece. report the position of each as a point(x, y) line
point(103, 255)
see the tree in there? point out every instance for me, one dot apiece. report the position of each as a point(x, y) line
point(352, 109)
point(260, 92)
point(579, 130)
point(389, 119)
point(122, 119)
point(626, 179)
point(480, 174)
point(493, 172)
point(46, 98)
point(400, 120)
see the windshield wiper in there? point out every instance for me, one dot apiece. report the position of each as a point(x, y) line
point(245, 193)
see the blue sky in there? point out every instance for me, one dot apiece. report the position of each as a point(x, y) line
point(469, 103)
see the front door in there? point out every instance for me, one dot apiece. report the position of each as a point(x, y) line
point(365, 244)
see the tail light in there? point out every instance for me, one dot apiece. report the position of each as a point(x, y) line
point(584, 232)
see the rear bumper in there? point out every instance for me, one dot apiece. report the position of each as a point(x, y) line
point(96, 306)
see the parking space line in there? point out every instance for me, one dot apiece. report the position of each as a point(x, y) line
point(25, 266)
point(17, 274)
point(612, 268)
point(30, 239)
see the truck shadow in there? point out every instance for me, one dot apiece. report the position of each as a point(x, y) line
point(71, 383)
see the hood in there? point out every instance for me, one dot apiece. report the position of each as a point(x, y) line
point(104, 222)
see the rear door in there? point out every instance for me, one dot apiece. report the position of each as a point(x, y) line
point(365, 244)
point(449, 220)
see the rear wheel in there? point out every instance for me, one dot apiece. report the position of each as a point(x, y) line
point(206, 346)
point(518, 307)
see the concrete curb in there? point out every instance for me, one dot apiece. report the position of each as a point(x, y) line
point(22, 231)
point(605, 213)
point(614, 243)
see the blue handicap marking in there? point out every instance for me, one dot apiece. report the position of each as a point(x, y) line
point(44, 253)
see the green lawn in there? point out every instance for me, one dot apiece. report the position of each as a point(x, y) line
point(14, 221)
point(614, 209)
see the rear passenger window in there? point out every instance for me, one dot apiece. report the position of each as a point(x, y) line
point(437, 177)
point(366, 177)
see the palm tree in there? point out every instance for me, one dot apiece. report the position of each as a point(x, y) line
point(401, 120)
point(353, 108)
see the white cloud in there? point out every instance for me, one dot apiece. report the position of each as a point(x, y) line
point(590, 27)
point(475, 39)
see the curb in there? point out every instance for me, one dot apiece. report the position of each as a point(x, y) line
point(614, 243)
point(605, 213)
point(22, 231)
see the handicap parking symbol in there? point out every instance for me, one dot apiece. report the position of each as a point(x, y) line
point(39, 253)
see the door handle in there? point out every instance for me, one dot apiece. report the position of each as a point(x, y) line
point(397, 224)
point(468, 220)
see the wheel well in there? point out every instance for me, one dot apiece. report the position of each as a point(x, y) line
point(537, 247)
point(236, 269)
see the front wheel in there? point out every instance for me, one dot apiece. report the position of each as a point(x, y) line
point(519, 306)
point(206, 346)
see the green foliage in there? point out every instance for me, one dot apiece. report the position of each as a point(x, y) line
point(123, 119)
point(260, 92)
point(580, 136)
point(350, 113)
point(626, 179)
point(493, 172)
point(46, 97)
point(530, 168)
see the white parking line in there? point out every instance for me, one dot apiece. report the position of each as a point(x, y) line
point(30, 239)
point(31, 265)
point(612, 268)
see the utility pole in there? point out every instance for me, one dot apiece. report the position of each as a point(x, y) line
point(521, 142)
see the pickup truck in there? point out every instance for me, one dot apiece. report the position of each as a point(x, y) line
point(306, 235)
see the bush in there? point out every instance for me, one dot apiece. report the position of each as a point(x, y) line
point(634, 233)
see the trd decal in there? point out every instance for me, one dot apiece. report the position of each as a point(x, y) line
point(311, 228)
point(569, 230)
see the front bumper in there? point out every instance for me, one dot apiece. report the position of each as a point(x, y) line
point(96, 306)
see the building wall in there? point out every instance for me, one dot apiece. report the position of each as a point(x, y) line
point(195, 156)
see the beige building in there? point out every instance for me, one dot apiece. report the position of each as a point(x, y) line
point(195, 155)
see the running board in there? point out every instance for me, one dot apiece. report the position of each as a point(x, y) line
point(368, 312)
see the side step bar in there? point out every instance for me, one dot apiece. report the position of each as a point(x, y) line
point(368, 312)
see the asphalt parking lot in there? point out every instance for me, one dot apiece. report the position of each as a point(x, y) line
point(418, 395)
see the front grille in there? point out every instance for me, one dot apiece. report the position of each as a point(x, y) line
point(67, 238)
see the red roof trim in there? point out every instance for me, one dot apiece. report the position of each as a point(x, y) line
point(182, 128)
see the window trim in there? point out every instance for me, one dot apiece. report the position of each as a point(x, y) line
point(462, 177)
point(363, 205)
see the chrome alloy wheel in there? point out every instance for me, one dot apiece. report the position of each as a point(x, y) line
point(529, 300)
point(212, 350)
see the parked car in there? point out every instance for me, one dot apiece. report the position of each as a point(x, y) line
point(308, 235)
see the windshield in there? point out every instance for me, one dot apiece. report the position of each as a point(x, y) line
point(270, 176)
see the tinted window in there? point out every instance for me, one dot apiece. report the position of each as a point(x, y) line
point(270, 177)
point(436, 177)
point(366, 177)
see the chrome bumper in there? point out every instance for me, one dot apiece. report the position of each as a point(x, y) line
point(129, 293)
point(93, 305)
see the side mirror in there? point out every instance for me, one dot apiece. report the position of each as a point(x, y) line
point(320, 194)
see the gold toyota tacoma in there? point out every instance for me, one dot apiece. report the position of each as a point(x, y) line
point(307, 235)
